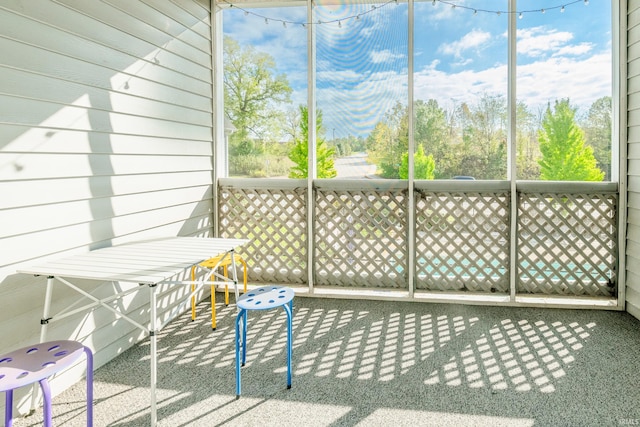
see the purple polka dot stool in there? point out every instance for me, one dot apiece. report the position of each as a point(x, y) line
point(37, 363)
point(264, 298)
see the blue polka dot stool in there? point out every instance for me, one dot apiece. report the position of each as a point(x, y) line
point(264, 298)
point(36, 363)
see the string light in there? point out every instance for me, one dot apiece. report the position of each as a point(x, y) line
point(356, 17)
point(304, 24)
point(520, 13)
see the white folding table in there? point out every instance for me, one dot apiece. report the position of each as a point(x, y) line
point(147, 263)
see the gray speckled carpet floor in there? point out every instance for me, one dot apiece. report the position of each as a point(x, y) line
point(373, 363)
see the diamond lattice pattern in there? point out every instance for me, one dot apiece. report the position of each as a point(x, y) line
point(567, 244)
point(275, 221)
point(462, 241)
point(360, 238)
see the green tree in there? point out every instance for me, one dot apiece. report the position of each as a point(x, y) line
point(565, 156)
point(597, 133)
point(299, 153)
point(484, 139)
point(252, 88)
point(527, 150)
point(379, 145)
point(423, 166)
point(389, 141)
point(432, 133)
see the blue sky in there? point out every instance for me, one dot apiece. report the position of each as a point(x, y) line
point(458, 55)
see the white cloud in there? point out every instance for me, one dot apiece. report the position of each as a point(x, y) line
point(540, 41)
point(575, 50)
point(355, 110)
point(471, 40)
point(582, 81)
point(385, 55)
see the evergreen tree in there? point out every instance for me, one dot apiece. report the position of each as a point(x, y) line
point(565, 156)
point(299, 153)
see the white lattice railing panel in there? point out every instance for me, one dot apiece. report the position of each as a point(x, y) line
point(567, 244)
point(462, 241)
point(275, 221)
point(360, 237)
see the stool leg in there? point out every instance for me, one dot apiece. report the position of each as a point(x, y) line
point(287, 310)
point(8, 408)
point(46, 393)
point(225, 271)
point(245, 274)
point(193, 298)
point(238, 338)
point(89, 355)
point(244, 337)
point(213, 307)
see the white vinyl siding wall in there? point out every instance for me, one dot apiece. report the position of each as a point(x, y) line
point(632, 291)
point(105, 137)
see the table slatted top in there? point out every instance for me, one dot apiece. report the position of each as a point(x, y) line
point(149, 261)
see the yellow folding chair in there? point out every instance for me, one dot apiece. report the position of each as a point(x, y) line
point(223, 261)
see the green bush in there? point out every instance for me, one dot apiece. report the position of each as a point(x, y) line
point(259, 166)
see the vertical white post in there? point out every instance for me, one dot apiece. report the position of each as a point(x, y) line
point(619, 137)
point(220, 128)
point(511, 149)
point(311, 142)
point(411, 202)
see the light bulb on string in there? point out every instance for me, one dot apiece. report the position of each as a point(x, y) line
point(374, 8)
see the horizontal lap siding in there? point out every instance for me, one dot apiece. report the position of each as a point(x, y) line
point(632, 293)
point(105, 137)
